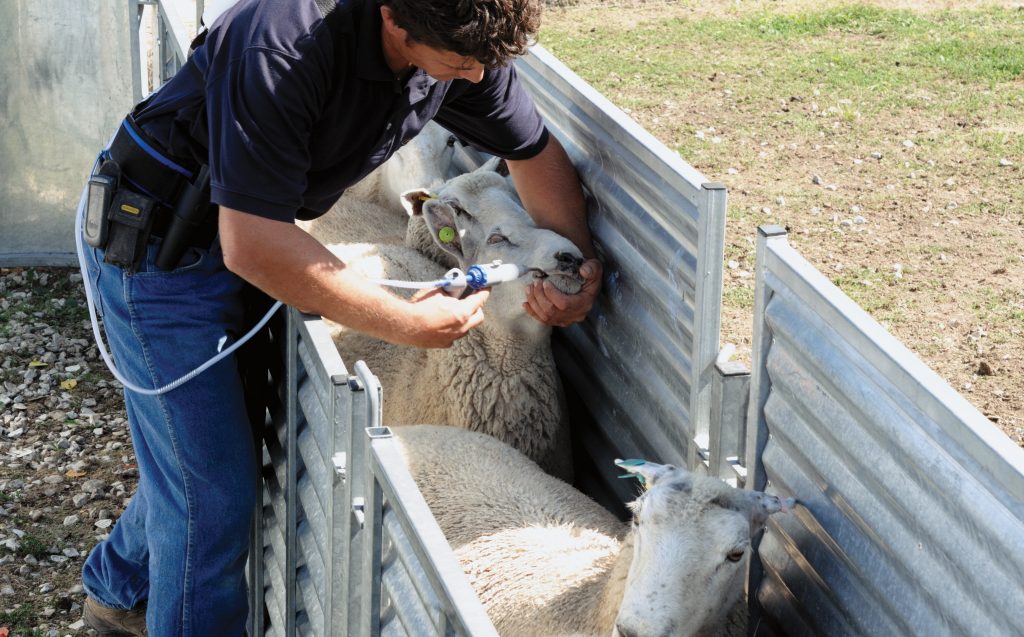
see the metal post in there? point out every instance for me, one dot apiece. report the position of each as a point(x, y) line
point(373, 540)
point(757, 429)
point(291, 471)
point(708, 302)
point(730, 390)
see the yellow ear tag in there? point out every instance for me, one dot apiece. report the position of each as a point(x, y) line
point(446, 234)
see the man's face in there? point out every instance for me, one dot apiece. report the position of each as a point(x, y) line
point(401, 52)
point(444, 65)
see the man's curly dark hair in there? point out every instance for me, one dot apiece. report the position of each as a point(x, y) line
point(492, 32)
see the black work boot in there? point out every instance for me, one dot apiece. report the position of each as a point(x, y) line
point(114, 622)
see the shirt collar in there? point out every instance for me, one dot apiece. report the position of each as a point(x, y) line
point(419, 85)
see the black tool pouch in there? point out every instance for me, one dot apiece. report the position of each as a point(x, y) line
point(130, 219)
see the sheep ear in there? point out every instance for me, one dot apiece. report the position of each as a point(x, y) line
point(443, 226)
point(758, 506)
point(492, 165)
point(413, 200)
point(650, 473)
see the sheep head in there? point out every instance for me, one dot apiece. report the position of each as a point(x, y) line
point(476, 218)
point(691, 535)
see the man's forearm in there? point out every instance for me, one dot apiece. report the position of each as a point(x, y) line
point(293, 267)
point(550, 190)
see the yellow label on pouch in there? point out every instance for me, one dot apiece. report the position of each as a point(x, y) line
point(132, 210)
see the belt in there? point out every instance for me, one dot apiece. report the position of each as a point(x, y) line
point(146, 169)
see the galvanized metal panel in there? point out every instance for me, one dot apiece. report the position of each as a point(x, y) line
point(419, 540)
point(644, 357)
point(912, 516)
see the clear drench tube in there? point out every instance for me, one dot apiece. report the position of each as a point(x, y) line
point(91, 304)
point(475, 277)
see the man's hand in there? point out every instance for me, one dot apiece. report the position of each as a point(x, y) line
point(443, 319)
point(550, 306)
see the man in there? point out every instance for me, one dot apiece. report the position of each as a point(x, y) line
point(287, 102)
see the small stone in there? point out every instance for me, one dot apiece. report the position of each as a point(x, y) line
point(71, 520)
point(854, 209)
point(908, 143)
point(766, 210)
point(985, 369)
point(103, 524)
point(780, 201)
point(94, 486)
point(859, 220)
point(71, 552)
point(80, 499)
point(876, 155)
point(46, 588)
point(73, 368)
point(1005, 162)
point(816, 180)
point(731, 171)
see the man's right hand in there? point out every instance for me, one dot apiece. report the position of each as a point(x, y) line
point(293, 267)
point(445, 319)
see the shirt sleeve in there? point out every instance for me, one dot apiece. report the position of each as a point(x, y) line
point(261, 112)
point(496, 115)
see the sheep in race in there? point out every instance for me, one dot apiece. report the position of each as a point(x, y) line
point(370, 211)
point(545, 559)
point(499, 379)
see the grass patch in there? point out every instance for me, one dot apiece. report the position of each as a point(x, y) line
point(32, 545)
point(20, 619)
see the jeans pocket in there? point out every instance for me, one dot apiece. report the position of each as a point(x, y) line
point(191, 260)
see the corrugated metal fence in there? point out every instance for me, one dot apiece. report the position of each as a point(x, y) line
point(913, 516)
point(644, 358)
point(348, 544)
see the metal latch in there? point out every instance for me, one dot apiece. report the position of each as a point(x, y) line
point(359, 510)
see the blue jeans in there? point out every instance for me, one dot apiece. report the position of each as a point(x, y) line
point(182, 542)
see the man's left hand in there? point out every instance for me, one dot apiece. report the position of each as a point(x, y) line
point(550, 306)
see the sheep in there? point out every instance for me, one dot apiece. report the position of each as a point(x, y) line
point(370, 211)
point(500, 378)
point(545, 559)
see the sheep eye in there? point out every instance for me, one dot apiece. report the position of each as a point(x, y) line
point(496, 238)
point(735, 555)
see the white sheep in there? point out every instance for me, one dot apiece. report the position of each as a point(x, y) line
point(545, 559)
point(500, 378)
point(370, 211)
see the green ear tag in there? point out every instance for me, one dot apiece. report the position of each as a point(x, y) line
point(446, 234)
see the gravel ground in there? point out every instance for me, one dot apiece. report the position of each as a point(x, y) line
point(66, 464)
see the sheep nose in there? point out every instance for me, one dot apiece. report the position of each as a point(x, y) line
point(568, 262)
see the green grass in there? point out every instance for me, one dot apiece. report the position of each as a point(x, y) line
point(32, 545)
point(20, 619)
point(865, 54)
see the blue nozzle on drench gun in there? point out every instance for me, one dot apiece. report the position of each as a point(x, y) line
point(481, 275)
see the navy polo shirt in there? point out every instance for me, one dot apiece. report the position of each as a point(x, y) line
point(289, 107)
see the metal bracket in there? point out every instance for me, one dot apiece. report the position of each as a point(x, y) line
point(339, 460)
point(359, 511)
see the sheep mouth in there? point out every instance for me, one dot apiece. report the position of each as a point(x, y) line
point(566, 282)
